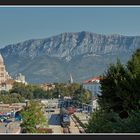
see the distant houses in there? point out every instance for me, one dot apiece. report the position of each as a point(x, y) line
point(47, 86)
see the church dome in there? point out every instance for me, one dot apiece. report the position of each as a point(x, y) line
point(1, 59)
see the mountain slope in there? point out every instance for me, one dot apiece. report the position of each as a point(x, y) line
point(83, 54)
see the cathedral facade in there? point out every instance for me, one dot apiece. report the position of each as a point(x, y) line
point(4, 76)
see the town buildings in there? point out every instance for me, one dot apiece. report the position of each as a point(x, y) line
point(7, 85)
point(47, 86)
point(6, 81)
point(93, 85)
point(3, 73)
point(20, 78)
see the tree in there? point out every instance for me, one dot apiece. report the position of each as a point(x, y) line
point(112, 97)
point(119, 102)
point(32, 116)
point(82, 95)
point(133, 64)
point(25, 91)
point(102, 121)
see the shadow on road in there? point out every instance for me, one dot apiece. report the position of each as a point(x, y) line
point(54, 120)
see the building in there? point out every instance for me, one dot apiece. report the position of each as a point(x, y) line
point(50, 103)
point(3, 73)
point(7, 85)
point(47, 86)
point(6, 82)
point(93, 85)
point(20, 78)
point(5, 79)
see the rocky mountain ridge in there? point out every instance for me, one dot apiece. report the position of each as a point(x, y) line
point(83, 54)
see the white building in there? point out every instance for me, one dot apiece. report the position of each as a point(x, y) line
point(6, 81)
point(93, 85)
point(20, 78)
point(3, 73)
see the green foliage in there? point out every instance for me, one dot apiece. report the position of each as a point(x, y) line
point(134, 63)
point(23, 90)
point(102, 121)
point(20, 92)
point(60, 89)
point(75, 90)
point(120, 87)
point(119, 101)
point(32, 116)
point(29, 91)
point(112, 91)
point(8, 98)
point(82, 95)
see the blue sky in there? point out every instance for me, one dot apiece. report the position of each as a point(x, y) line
point(22, 23)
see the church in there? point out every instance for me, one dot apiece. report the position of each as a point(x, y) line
point(6, 81)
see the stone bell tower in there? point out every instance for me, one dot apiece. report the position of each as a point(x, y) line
point(3, 73)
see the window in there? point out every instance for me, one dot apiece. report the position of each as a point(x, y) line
point(1, 74)
point(2, 68)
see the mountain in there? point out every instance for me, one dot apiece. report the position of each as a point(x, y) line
point(83, 54)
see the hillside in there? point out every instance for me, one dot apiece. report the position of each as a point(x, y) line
point(83, 54)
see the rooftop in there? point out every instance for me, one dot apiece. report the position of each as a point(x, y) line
point(92, 80)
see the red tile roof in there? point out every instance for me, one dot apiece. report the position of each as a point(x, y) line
point(91, 80)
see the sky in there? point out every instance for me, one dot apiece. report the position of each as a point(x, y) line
point(18, 24)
